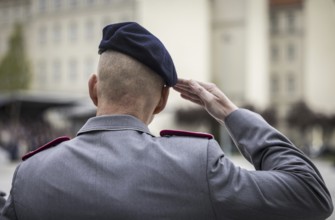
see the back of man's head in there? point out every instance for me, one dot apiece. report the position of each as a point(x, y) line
point(127, 83)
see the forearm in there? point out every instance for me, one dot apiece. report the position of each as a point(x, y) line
point(269, 150)
point(208, 95)
point(286, 184)
point(258, 141)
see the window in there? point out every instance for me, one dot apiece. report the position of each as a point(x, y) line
point(291, 83)
point(73, 3)
point(57, 4)
point(41, 72)
point(89, 67)
point(73, 32)
point(89, 30)
point(4, 13)
point(56, 72)
point(42, 35)
point(72, 70)
point(290, 52)
point(274, 84)
point(20, 13)
point(274, 53)
point(42, 6)
point(290, 19)
point(274, 25)
point(90, 2)
point(56, 33)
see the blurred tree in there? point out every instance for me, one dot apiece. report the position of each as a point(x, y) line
point(270, 115)
point(327, 123)
point(14, 66)
point(197, 117)
point(301, 117)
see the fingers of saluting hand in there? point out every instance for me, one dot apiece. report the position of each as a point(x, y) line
point(194, 91)
point(207, 95)
point(183, 88)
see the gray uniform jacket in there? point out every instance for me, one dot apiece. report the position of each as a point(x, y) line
point(116, 169)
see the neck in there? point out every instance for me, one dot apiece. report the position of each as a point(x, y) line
point(116, 110)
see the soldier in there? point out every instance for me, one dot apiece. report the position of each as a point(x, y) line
point(116, 169)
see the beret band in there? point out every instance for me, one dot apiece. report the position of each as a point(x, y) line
point(133, 40)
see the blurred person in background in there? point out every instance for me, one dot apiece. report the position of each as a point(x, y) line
point(116, 169)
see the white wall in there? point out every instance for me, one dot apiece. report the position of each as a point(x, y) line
point(240, 45)
point(183, 27)
point(320, 54)
point(257, 91)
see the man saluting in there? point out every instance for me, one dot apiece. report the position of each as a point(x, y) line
point(116, 169)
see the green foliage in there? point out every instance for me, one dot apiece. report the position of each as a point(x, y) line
point(14, 66)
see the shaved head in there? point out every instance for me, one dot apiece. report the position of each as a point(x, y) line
point(127, 83)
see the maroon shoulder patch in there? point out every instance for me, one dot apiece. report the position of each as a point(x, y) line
point(185, 133)
point(46, 146)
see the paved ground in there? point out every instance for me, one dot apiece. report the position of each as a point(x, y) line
point(328, 171)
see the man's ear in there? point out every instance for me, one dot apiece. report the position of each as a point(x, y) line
point(162, 102)
point(93, 89)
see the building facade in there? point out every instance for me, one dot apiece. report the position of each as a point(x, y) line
point(261, 53)
point(239, 50)
point(320, 55)
point(62, 38)
point(287, 55)
point(11, 12)
point(302, 66)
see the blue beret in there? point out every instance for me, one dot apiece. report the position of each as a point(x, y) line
point(133, 40)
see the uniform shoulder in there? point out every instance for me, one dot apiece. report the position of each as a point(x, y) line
point(167, 133)
point(46, 146)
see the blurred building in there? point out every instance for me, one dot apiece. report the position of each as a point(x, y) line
point(261, 53)
point(11, 12)
point(287, 52)
point(302, 53)
point(302, 66)
point(239, 50)
point(319, 64)
point(184, 28)
point(62, 38)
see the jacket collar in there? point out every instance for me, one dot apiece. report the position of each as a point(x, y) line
point(114, 123)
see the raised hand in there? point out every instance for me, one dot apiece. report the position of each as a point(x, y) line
point(207, 95)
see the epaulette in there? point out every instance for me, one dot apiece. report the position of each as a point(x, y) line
point(46, 146)
point(185, 134)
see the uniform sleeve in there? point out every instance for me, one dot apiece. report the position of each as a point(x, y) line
point(286, 184)
point(8, 211)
